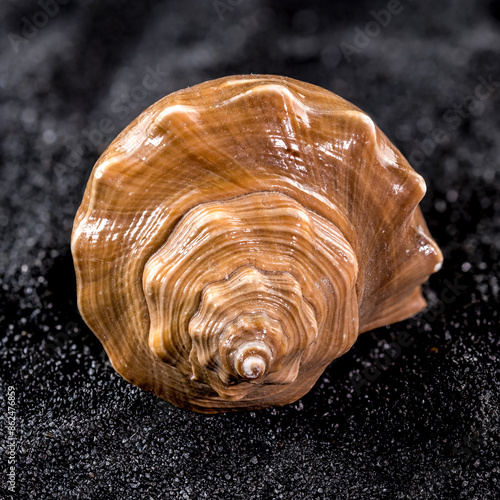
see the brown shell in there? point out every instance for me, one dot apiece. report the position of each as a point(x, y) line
point(238, 236)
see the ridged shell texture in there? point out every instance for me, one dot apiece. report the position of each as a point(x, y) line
point(239, 235)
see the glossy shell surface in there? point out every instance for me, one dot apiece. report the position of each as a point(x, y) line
point(239, 235)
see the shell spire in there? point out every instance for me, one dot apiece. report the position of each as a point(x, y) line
point(238, 236)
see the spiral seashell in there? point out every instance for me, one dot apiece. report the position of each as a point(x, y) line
point(239, 235)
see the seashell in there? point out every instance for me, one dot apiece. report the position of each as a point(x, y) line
point(239, 235)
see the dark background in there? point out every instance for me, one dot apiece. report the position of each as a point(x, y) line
point(415, 419)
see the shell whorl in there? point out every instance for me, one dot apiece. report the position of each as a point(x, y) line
point(238, 236)
point(235, 284)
